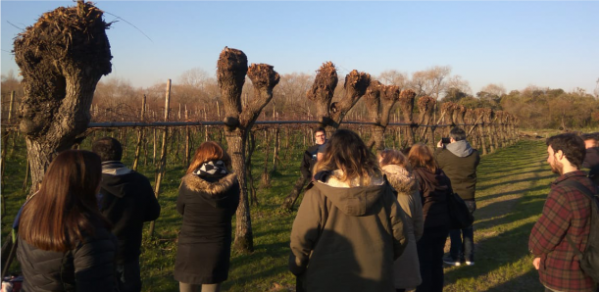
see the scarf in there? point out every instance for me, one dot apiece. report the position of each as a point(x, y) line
point(211, 168)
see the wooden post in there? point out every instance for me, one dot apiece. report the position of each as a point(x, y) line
point(10, 108)
point(187, 139)
point(138, 145)
point(163, 156)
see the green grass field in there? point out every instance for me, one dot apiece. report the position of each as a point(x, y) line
point(513, 183)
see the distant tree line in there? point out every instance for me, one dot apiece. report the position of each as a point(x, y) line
point(197, 92)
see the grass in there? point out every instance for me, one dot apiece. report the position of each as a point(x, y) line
point(512, 186)
point(511, 190)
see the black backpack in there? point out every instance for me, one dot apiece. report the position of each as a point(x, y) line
point(588, 259)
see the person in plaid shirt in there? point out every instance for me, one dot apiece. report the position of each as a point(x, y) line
point(566, 213)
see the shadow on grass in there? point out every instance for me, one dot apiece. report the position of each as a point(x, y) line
point(536, 178)
point(506, 248)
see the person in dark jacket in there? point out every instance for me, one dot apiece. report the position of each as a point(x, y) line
point(434, 187)
point(127, 201)
point(459, 162)
point(308, 161)
point(65, 244)
point(591, 155)
point(208, 197)
point(566, 216)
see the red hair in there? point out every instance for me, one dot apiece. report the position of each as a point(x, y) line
point(421, 156)
point(209, 151)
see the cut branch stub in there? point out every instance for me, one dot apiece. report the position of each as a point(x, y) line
point(448, 110)
point(264, 79)
point(498, 116)
point(480, 114)
point(62, 57)
point(459, 114)
point(322, 91)
point(488, 115)
point(372, 101)
point(407, 104)
point(425, 105)
point(388, 98)
point(231, 74)
point(470, 116)
point(355, 86)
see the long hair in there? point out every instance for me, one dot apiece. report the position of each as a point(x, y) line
point(347, 152)
point(65, 208)
point(394, 157)
point(421, 156)
point(208, 151)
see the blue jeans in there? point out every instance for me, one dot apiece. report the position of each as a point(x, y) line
point(463, 247)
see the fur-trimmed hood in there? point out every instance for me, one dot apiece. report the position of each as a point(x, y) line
point(335, 180)
point(401, 179)
point(352, 200)
point(197, 184)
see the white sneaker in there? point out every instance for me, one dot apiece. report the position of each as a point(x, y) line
point(451, 262)
point(468, 263)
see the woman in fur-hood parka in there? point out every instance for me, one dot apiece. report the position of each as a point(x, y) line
point(208, 198)
point(397, 171)
point(349, 229)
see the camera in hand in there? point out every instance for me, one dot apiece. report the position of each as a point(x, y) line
point(445, 140)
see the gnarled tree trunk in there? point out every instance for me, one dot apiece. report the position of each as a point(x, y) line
point(379, 100)
point(62, 57)
point(407, 104)
point(231, 74)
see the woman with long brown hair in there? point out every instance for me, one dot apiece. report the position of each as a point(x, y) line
point(399, 173)
point(208, 198)
point(434, 187)
point(65, 243)
point(348, 230)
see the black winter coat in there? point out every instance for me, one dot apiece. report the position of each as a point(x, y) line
point(434, 189)
point(127, 202)
point(308, 161)
point(204, 246)
point(90, 267)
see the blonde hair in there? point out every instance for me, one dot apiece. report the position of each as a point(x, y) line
point(347, 152)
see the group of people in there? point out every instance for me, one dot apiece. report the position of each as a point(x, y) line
point(367, 222)
point(82, 230)
point(379, 222)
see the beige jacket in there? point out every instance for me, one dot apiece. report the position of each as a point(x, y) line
point(406, 268)
point(347, 238)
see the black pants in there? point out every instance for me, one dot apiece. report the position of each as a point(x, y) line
point(129, 276)
point(431, 251)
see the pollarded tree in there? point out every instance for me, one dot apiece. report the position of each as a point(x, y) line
point(407, 105)
point(331, 114)
point(379, 101)
point(231, 74)
point(62, 57)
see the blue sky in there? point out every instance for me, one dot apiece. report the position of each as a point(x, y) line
point(516, 44)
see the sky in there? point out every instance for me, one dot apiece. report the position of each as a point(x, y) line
point(515, 44)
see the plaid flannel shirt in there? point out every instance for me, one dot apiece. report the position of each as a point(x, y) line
point(566, 212)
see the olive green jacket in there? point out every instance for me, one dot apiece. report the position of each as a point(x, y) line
point(460, 167)
point(346, 239)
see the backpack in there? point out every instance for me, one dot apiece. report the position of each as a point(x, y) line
point(588, 259)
